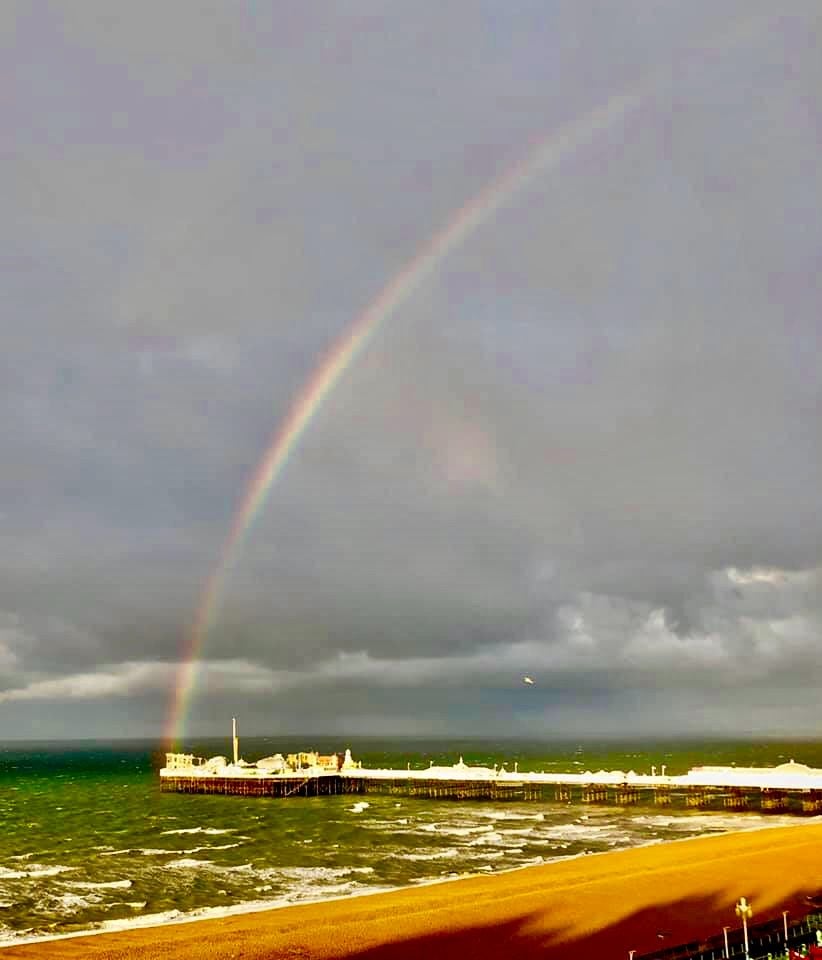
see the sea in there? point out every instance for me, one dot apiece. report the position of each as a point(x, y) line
point(89, 843)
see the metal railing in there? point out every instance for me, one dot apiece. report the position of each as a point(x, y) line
point(763, 938)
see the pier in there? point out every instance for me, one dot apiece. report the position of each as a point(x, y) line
point(790, 788)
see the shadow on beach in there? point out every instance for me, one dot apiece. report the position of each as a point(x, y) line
point(690, 921)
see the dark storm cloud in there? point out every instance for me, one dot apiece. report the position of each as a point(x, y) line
point(585, 449)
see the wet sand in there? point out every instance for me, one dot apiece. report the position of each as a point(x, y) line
point(594, 906)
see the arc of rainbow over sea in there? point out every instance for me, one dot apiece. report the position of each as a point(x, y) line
point(546, 154)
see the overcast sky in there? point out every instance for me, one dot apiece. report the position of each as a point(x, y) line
point(586, 448)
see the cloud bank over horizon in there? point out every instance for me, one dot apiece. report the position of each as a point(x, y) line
point(586, 448)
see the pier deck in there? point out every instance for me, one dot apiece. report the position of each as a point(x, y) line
point(789, 788)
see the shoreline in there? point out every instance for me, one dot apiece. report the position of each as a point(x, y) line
point(270, 913)
point(202, 914)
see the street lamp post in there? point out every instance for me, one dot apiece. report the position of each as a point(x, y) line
point(743, 909)
point(785, 926)
point(631, 954)
point(725, 933)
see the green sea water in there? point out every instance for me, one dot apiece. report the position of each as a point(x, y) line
point(88, 841)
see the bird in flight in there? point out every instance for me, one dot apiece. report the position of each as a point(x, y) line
point(528, 680)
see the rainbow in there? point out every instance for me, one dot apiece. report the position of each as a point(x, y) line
point(545, 155)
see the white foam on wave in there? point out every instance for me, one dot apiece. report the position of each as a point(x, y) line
point(581, 831)
point(436, 855)
point(73, 902)
point(465, 831)
point(533, 861)
point(211, 831)
point(722, 823)
point(491, 839)
point(33, 870)
point(105, 885)
point(509, 815)
point(160, 852)
point(313, 873)
point(309, 892)
point(218, 846)
point(359, 806)
point(485, 855)
point(151, 920)
point(298, 884)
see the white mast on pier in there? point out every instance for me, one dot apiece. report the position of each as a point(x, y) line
point(235, 739)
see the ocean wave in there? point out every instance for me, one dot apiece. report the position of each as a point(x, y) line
point(105, 885)
point(9, 937)
point(464, 831)
point(150, 920)
point(211, 831)
point(151, 852)
point(359, 806)
point(33, 870)
point(314, 873)
point(436, 855)
point(485, 855)
point(491, 839)
point(187, 863)
point(74, 902)
point(161, 852)
point(310, 892)
point(218, 846)
point(510, 815)
point(578, 831)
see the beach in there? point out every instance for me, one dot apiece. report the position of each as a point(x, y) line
point(590, 906)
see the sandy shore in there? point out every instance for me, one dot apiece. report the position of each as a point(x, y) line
point(596, 906)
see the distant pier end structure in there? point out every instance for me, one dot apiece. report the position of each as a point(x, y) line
point(788, 788)
point(305, 774)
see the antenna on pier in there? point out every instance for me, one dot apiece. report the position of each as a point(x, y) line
point(236, 739)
